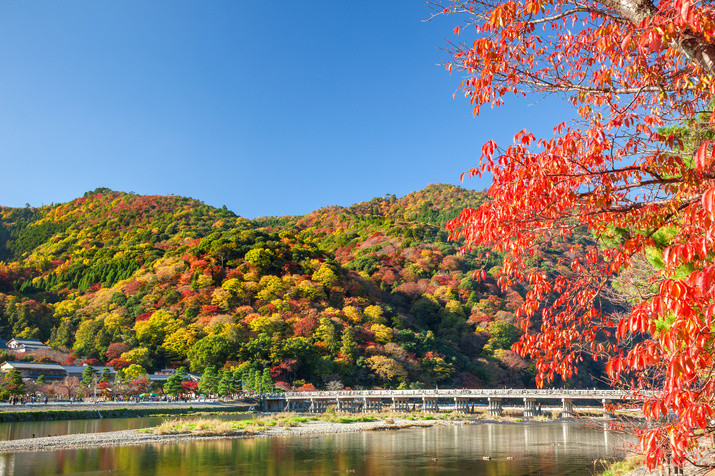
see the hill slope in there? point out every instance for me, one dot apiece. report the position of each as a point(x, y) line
point(371, 294)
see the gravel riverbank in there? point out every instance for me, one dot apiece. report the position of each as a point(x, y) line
point(138, 437)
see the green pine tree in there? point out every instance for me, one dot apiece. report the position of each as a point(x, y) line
point(13, 383)
point(88, 374)
point(209, 381)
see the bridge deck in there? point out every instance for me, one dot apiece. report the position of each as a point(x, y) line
point(456, 393)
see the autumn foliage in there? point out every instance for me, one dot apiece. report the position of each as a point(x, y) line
point(635, 167)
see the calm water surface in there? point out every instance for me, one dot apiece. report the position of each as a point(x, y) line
point(515, 449)
point(19, 430)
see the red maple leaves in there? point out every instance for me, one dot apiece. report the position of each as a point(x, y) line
point(634, 166)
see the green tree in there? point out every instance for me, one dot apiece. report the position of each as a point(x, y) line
point(328, 333)
point(228, 383)
point(173, 383)
point(249, 382)
point(209, 381)
point(349, 348)
point(504, 334)
point(266, 381)
point(211, 350)
point(13, 384)
point(105, 376)
point(88, 375)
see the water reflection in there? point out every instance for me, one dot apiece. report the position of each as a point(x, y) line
point(549, 448)
point(19, 430)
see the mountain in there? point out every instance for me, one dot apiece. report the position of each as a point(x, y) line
point(371, 294)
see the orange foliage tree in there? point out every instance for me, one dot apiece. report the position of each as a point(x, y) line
point(635, 71)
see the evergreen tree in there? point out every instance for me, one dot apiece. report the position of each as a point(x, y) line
point(88, 374)
point(349, 348)
point(209, 381)
point(236, 379)
point(266, 381)
point(13, 383)
point(105, 375)
point(247, 381)
point(173, 383)
point(227, 384)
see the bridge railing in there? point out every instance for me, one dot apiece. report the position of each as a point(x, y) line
point(440, 393)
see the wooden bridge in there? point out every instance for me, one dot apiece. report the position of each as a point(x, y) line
point(461, 400)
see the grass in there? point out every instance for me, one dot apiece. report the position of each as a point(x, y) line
point(347, 419)
point(213, 426)
point(225, 427)
point(619, 468)
point(202, 426)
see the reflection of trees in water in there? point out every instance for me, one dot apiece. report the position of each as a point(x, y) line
point(551, 448)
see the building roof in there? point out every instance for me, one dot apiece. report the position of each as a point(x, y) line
point(161, 377)
point(31, 366)
point(78, 369)
point(26, 341)
point(25, 344)
point(158, 377)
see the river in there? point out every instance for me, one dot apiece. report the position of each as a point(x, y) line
point(554, 448)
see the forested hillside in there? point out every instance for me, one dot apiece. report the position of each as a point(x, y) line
point(368, 295)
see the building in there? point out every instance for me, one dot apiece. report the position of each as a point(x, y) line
point(78, 370)
point(33, 370)
point(25, 345)
point(164, 374)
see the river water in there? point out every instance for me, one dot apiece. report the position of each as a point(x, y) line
point(19, 430)
point(557, 448)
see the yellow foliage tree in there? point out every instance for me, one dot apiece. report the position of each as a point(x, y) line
point(383, 334)
point(139, 356)
point(353, 314)
point(153, 331)
point(374, 313)
point(178, 343)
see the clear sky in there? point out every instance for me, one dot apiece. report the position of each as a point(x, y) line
point(269, 108)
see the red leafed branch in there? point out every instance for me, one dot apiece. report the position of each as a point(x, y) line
point(638, 73)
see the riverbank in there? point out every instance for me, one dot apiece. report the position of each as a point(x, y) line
point(140, 437)
point(80, 411)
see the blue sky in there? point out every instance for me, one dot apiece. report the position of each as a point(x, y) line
point(269, 108)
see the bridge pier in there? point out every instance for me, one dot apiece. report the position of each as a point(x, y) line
point(494, 407)
point(400, 404)
point(463, 405)
point(567, 408)
point(371, 405)
point(430, 404)
point(529, 407)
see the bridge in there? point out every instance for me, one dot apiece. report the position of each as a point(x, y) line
point(461, 400)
